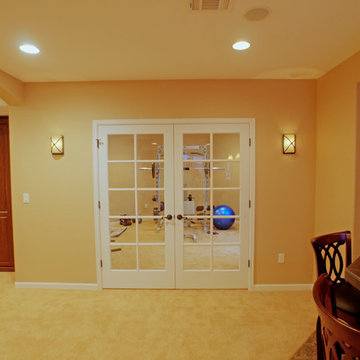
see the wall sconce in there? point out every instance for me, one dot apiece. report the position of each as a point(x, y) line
point(289, 143)
point(57, 145)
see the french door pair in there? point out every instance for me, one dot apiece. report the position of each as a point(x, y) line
point(174, 205)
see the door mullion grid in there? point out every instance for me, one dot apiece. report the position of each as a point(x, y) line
point(211, 201)
point(136, 204)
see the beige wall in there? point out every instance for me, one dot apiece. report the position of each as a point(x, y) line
point(11, 89)
point(336, 177)
point(54, 234)
point(4, 110)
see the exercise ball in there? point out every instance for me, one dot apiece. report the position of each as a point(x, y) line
point(225, 223)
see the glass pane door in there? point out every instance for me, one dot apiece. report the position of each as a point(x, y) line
point(174, 197)
point(212, 194)
point(136, 197)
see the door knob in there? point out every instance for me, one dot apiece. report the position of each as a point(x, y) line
point(169, 217)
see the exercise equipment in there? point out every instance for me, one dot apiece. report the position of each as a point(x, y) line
point(196, 158)
point(156, 174)
point(223, 223)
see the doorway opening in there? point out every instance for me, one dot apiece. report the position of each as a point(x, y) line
point(174, 204)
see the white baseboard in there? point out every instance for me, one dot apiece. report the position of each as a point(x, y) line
point(79, 286)
point(45, 285)
point(281, 287)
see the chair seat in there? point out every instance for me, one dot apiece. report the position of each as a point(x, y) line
point(347, 299)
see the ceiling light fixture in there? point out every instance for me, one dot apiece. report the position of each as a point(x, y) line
point(29, 49)
point(241, 45)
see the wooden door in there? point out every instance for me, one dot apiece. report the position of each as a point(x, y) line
point(6, 235)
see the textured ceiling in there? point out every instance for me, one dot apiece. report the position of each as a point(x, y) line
point(85, 40)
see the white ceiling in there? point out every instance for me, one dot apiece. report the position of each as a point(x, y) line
point(164, 39)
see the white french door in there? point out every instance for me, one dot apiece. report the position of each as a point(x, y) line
point(136, 192)
point(212, 205)
point(174, 205)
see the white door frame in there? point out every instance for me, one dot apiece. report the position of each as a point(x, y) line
point(99, 123)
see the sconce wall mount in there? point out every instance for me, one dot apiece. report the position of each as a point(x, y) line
point(57, 145)
point(289, 143)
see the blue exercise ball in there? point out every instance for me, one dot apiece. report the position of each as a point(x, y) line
point(225, 223)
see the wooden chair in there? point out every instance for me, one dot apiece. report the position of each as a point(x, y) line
point(338, 340)
point(330, 261)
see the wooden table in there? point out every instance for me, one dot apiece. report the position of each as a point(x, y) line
point(352, 273)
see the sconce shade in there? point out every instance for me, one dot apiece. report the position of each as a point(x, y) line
point(289, 143)
point(57, 145)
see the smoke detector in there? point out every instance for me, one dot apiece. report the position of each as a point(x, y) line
point(257, 14)
point(209, 4)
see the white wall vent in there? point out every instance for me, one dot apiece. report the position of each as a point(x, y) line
point(209, 4)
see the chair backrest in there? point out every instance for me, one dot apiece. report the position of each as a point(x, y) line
point(328, 256)
point(340, 341)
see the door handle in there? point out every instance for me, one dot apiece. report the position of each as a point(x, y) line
point(180, 217)
point(169, 217)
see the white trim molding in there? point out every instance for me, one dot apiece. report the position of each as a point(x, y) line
point(64, 286)
point(282, 287)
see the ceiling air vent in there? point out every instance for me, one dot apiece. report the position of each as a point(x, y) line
point(209, 4)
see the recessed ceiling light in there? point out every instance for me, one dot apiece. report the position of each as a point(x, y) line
point(29, 49)
point(241, 45)
point(257, 14)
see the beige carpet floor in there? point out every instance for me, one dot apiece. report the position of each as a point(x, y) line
point(152, 324)
point(308, 350)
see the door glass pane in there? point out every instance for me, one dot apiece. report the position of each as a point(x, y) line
point(226, 202)
point(150, 175)
point(226, 174)
point(226, 257)
point(226, 146)
point(227, 230)
point(196, 147)
point(121, 147)
point(196, 174)
point(123, 257)
point(121, 175)
point(151, 231)
point(193, 142)
point(196, 202)
point(196, 257)
point(150, 147)
point(152, 257)
point(122, 202)
point(151, 203)
point(197, 230)
point(122, 230)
